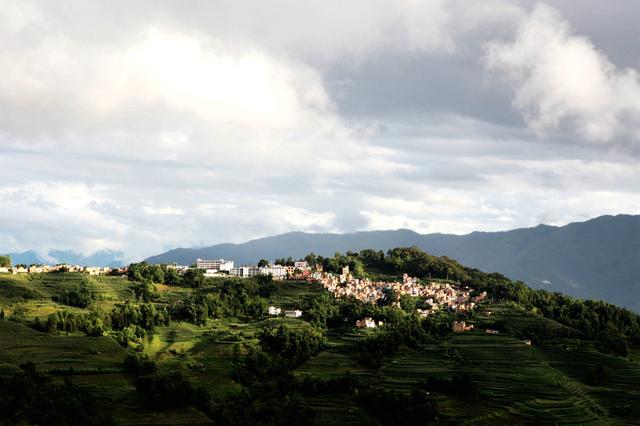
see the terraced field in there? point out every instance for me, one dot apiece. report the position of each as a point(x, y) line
point(617, 390)
point(29, 296)
point(563, 382)
point(514, 382)
point(19, 344)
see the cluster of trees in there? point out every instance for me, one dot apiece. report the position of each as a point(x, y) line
point(293, 345)
point(143, 315)
point(337, 262)
point(92, 324)
point(231, 299)
point(79, 297)
point(408, 330)
point(162, 274)
point(5, 261)
point(411, 260)
point(282, 348)
point(289, 261)
point(169, 390)
point(30, 397)
point(129, 322)
point(268, 402)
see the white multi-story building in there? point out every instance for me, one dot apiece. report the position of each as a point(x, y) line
point(301, 265)
point(244, 271)
point(218, 265)
point(293, 314)
point(276, 271)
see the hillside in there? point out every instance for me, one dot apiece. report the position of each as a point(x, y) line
point(596, 259)
point(206, 352)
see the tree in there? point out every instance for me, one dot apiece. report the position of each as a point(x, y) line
point(193, 278)
point(311, 259)
point(293, 345)
point(408, 303)
point(171, 277)
point(262, 263)
point(389, 297)
point(266, 286)
point(79, 297)
point(5, 261)
point(30, 397)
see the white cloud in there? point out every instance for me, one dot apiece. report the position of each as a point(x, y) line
point(163, 211)
point(43, 216)
point(559, 78)
point(142, 127)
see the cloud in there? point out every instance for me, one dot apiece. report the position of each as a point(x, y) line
point(560, 78)
point(145, 126)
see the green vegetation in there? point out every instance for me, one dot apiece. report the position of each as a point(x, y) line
point(37, 399)
point(161, 348)
point(5, 262)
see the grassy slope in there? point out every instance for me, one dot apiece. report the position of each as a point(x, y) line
point(517, 383)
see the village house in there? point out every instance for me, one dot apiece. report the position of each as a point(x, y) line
point(491, 331)
point(302, 265)
point(461, 327)
point(4, 270)
point(424, 312)
point(293, 314)
point(211, 273)
point(274, 310)
point(435, 294)
point(95, 270)
point(368, 322)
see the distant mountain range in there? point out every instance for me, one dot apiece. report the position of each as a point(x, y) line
point(100, 258)
point(596, 259)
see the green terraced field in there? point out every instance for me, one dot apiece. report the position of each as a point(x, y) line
point(515, 383)
point(19, 344)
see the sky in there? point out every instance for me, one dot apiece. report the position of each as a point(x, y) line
point(148, 125)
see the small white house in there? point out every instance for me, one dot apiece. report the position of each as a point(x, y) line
point(274, 311)
point(368, 322)
point(293, 314)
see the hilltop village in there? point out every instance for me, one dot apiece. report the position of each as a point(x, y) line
point(434, 295)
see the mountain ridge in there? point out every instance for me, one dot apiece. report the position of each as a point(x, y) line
point(109, 258)
point(598, 258)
